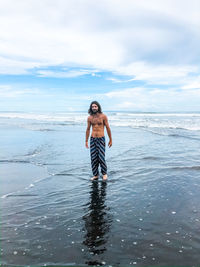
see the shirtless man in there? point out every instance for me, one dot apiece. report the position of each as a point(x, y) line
point(97, 140)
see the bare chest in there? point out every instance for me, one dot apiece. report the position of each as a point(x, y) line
point(97, 121)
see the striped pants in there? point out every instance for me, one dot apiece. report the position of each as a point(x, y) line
point(97, 153)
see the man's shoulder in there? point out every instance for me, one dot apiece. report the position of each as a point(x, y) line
point(89, 117)
point(103, 115)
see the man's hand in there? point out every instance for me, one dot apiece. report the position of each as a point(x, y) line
point(110, 143)
point(86, 144)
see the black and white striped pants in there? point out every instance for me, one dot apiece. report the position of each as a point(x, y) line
point(97, 153)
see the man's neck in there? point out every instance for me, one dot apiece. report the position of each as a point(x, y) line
point(96, 114)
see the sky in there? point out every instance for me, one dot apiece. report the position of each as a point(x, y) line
point(129, 55)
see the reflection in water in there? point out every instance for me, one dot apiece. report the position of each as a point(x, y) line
point(97, 222)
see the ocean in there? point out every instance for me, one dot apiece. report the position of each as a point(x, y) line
point(146, 214)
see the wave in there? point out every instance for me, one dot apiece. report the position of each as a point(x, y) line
point(21, 161)
point(167, 126)
point(172, 134)
point(33, 152)
point(157, 114)
point(55, 121)
point(14, 161)
point(19, 195)
point(38, 126)
point(63, 117)
point(197, 168)
point(151, 158)
point(20, 192)
point(45, 130)
point(188, 125)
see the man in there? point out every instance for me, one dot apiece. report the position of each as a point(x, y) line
point(97, 140)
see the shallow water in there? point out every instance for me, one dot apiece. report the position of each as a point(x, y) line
point(146, 214)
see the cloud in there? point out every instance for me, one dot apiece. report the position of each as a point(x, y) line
point(159, 73)
point(110, 35)
point(12, 65)
point(193, 84)
point(8, 91)
point(154, 42)
point(133, 98)
point(117, 80)
point(144, 99)
point(66, 73)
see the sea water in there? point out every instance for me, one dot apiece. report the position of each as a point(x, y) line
point(146, 214)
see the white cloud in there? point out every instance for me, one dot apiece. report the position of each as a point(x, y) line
point(65, 74)
point(158, 74)
point(145, 39)
point(9, 65)
point(138, 99)
point(116, 80)
point(125, 93)
point(143, 99)
point(155, 41)
point(194, 83)
point(8, 91)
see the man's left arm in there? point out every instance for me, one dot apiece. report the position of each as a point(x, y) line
point(108, 130)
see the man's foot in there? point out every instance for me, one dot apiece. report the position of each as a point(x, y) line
point(94, 178)
point(105, 177)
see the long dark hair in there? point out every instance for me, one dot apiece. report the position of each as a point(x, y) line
point(90, 109)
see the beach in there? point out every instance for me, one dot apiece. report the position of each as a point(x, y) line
point(146, 214)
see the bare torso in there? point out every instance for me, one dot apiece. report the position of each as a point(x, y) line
point(97, 122)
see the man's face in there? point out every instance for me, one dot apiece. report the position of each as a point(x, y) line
point(94, 108)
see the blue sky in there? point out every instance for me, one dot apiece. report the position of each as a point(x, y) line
point(128, 55)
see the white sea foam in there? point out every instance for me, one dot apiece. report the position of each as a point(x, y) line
point(73, 117)
point(6, 195)
point(45, 122)
point(25, 188)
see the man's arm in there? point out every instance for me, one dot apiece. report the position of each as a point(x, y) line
point(87, 131)
point(108, 130)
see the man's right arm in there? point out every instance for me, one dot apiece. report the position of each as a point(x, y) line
point(87, 131)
